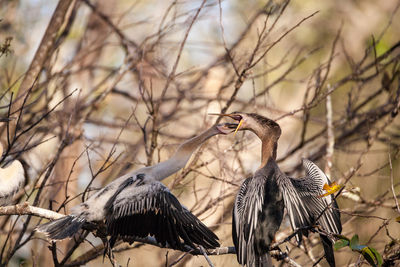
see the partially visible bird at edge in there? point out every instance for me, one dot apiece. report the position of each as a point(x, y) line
point(139, 205)
point(12, 177)
point(259, 205)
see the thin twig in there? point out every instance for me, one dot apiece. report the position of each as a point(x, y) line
point(392, 184)
point(205, 256)
point(330, 137)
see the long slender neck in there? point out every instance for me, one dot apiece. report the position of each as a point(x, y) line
point(268, 150)
point(164, 169)
point(269, 143)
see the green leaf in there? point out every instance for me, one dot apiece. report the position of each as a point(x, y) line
point(369, 256)
point(354, 242)
point(377, 256)
point(381, 48)
point(341, 243)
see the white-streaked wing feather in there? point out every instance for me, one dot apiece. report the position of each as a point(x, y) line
point(307, 191)
point(248, 206)
point(237, 222)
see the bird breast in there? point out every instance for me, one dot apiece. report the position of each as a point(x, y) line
point(11, 179)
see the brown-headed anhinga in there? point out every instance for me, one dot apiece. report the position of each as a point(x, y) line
point(259, 205)
point(139, 205)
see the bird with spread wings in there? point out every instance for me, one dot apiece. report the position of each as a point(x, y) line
point(259, 205)
point(139, 205)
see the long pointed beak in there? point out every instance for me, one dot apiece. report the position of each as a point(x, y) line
point(232, 116)
point(237, 128)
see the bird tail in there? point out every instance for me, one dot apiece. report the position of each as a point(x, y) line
point(62, 228)
point(328, 248)
point(264, 261)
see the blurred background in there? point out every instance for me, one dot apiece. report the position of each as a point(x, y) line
point(111, 86)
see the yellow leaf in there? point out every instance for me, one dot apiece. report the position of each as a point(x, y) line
point(398, 219)
point(326, 187)
point(331, 189)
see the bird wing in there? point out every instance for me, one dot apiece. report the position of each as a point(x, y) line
point(311, 206)
point(237, 221)
point(247, 208)
point(299, 215)
point(140, 208)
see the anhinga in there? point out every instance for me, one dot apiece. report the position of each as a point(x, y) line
point(139, 205)
point(12, 177)
point(259, 205)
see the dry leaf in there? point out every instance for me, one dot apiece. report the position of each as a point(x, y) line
point(331, 189)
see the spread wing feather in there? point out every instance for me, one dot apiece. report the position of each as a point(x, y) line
point(305, 206)
point(247, 207)
point(322, 209)
point(140, 208)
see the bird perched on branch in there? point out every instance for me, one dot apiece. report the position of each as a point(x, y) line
point(259, 205)
point(139, 205)
point(12, 177)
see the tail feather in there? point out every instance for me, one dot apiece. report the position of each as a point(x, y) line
point(62, 228)
point(328, 248)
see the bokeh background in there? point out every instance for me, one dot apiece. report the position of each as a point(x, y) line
point(124, 82)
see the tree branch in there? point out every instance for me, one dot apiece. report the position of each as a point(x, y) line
point(26, 209)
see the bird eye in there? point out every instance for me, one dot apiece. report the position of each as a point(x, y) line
point(237, 117)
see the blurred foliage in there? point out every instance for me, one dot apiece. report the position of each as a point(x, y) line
point(370, 254)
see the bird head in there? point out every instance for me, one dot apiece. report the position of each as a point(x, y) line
point(258, 124)
point(226, 128)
